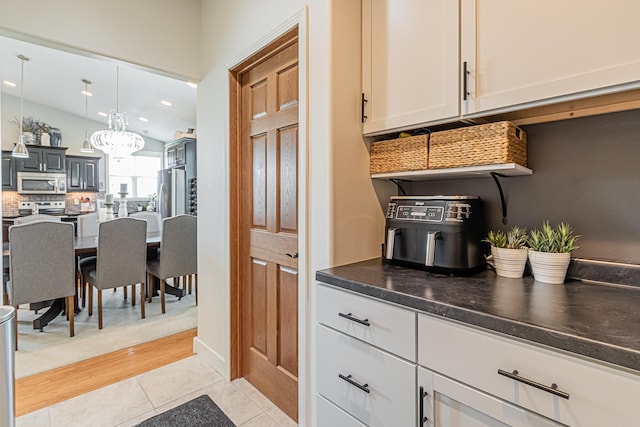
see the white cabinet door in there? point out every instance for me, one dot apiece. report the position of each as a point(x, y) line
point(524, 51)
point(448, 403)
point(410, 62)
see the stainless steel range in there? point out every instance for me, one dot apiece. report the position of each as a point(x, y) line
point(49, 207)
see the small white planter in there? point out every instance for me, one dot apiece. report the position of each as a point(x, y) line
point(509, 262)
point(549, 267)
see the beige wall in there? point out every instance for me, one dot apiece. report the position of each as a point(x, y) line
point(163, 35)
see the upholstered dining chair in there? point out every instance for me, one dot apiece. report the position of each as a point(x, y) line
point(120, 261)
point(36, 217)
point(154, 220)
point(87, 227)
point(42, 265)
point(178, 252)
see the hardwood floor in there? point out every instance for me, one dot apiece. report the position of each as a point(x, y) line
point(50, 387)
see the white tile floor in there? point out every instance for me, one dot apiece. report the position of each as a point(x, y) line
point(133, 400)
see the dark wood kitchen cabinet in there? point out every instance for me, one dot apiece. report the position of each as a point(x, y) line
point(82, 173)
point(181, 152)
point(8, 171)
point(41, 159)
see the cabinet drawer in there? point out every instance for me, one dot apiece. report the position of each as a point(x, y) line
point(387, 326)
point(386, 396)
point(597, 395)
point(329, 415)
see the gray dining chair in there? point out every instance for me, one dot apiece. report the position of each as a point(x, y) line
point(154, 220)
point(42, 265)
point(87, 227)
point(178, 252)
point(36, 217)
point(120, 261)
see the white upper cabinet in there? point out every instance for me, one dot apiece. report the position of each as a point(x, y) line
point(410, 63)
point(545, 51)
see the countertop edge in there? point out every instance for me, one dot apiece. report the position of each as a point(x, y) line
point(597, 351)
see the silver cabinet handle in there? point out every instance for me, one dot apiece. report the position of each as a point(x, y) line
point(431, 248)
point(553, 389)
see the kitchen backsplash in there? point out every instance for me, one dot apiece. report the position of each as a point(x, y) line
point(10, 200)
point(585, 172)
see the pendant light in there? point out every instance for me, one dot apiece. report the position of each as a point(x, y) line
point(20, 150)
point(86, 147)
point(117, 142)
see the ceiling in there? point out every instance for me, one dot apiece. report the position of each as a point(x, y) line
point(53, 78)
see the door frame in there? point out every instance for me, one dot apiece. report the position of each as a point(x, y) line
point(296, 25)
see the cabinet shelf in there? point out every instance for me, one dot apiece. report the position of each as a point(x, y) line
point(505, 169)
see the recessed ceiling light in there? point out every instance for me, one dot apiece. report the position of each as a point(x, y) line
point(167, 103)
point(8, 83)
point(100, 113)
point(143, 119)
point(86, 93)
point(192, 84)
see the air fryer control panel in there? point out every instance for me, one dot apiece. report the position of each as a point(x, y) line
point(429, 211)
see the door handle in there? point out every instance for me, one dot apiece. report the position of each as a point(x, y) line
point(294, 256)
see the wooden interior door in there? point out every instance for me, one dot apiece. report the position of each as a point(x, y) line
point(269, 226)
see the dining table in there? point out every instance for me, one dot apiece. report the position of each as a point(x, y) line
point(87, 246)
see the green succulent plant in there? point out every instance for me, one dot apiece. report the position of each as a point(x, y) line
point(559, 239)
point(515, 238)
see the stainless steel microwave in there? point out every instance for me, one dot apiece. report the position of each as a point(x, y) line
point(41, 183)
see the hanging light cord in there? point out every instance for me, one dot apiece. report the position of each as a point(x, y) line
point(22, 59)
point(117, 89)
point(86, 110)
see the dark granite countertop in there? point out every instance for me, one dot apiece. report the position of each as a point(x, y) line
point(594, 320)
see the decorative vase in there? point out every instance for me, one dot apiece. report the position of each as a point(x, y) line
point(55, 137)
point(509, 262)
point(549, 267)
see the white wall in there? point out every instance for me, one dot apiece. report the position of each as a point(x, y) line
point(162, 35)
point(344, 221)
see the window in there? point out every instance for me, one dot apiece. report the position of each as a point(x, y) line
point(139, 172)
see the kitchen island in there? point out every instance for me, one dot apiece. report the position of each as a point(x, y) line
point(481, 350)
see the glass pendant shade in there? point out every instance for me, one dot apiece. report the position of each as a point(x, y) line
point(86, 146)
point(20, 149)
point(116, 141)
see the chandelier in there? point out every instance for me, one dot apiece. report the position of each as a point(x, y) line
point(117, 142)
point(20, 150)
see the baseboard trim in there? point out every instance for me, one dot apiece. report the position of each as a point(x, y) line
point(211, 357)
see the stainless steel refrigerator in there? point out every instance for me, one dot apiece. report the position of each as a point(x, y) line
point(172, 192)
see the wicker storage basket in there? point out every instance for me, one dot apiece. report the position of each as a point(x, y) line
point(490, 144)
point(399, 155)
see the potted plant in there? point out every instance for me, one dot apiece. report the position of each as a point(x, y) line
point(550, 252)
point(509, 251)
